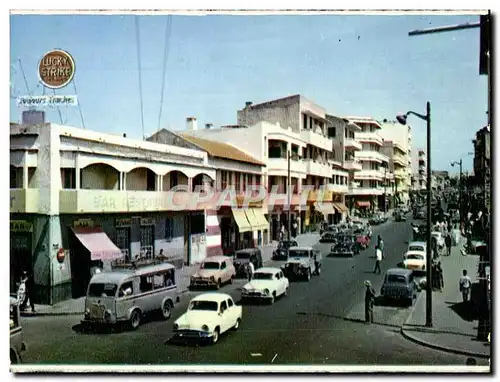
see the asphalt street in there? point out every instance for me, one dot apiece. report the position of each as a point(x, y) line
point(318, 323)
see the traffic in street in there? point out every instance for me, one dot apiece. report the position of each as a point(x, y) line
point(320, 321)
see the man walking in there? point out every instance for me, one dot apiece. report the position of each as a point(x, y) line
point(250, 270)
point(380, 244)
point(30, 291)
point(369, 302)
point(465, 286)
point(378, 254)
point(447, 241)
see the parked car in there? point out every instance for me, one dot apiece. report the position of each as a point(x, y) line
point(214, 272)
point(281, 253)
point(417, 246)
point(303, 262)
point(400, 285)
point(346, 246)
point(17, 345)
point(328, 237)
point(267, 283)
point(375, 220)
point(362, 238)
point(207, 317)
point(245, 256)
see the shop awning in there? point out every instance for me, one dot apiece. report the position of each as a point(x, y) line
point(325, 208)
point(98, 243)
point(363, 203)
point(259, 221)
point(341, 207)
point(241, 220)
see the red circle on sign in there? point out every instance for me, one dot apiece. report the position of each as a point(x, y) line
point(60, 255)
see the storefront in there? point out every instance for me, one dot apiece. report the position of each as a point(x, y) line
point(21, 251)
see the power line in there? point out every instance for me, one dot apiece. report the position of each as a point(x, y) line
point(138, 39)
point(79, 105)
point(168, 30)
point(24, 76)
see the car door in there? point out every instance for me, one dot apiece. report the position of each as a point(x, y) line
point(232, 312)
point(224, 272)
point(225, 316)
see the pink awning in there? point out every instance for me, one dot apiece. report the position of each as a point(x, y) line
point(98, 243)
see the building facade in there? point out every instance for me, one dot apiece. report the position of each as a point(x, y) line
point(98, 198)
point(482, 165)
point(419, 170)
point(367, 191)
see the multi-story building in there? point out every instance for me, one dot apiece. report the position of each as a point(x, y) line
point(397, 146)
point(482, 164)
point(78, 197)
point(366, 189)
point(271, 130)
point(419, 170)
point(439, 179)
point(229, 227)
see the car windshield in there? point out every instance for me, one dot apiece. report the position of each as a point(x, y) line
point(415, 248)
point(396, 279)
point(204, 305)
point(414, 257)
point(102, 290)
point(297, 253)
point(262, 276)
point(211, 265)
point(242, 255)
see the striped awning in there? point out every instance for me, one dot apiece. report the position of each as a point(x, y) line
point(363, 203)
point(98, 243)
point(241, 220)
point(258, 220)
point(340, 207)
point(325, 208)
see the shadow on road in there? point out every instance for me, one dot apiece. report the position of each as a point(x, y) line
point(121, 327)
point(466, 310)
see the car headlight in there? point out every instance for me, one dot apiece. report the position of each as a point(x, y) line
point(205, 328)
point(176, 327)
point(266, 292)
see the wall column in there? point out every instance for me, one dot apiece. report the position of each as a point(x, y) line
point(159, 183)
point(77, 172)
point(190, 184)
point(124, 182)
point(25, 170)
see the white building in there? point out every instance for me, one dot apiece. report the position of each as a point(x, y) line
point(398, 140)
point(367, 185)
point(270, 130)
point(419, 169)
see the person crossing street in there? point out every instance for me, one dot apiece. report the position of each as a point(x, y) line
point(378, 254)
point(465, 286)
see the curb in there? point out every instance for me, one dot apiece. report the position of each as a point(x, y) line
point(406, 335)
point(440, 347)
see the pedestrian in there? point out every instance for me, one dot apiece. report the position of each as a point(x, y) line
point(250, 270)
point(295, 228)
point(29, 291)
point(378, 255)
point(465, 286)
point(380, 244)
point(369, 302)
point(434, 276)
point(447, 241)
point(440, 278)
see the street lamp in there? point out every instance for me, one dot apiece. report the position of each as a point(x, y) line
point(402, 119)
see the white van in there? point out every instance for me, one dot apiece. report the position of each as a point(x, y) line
point(126, 295)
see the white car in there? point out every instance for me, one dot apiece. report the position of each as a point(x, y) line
point(208, 316)
point(267, 283)
point(414, 260)
point(419, 246)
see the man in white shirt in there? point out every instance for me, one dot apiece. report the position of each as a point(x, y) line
point(465, 286)
point(250, 270)
point(378, 253)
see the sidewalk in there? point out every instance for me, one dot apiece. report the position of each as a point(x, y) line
point(77, 306)
point(454, 323)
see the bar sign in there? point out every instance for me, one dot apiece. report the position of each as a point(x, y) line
point(123, 223)
point(147, 221)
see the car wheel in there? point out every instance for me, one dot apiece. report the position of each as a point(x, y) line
point(166, 310)
point(308, 276)
point(237, 324)
point(135, 319)
point(215, 336)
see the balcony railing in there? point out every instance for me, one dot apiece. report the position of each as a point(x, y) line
point(279, 166)
point(365, 191)
point(351, 143)
point(369, 174)
point(353, 164)
point(318, 168)
point(373, 156)
point(369, 138)
point(315, 139)
point(24, 200)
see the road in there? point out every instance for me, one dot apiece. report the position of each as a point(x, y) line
point(318, 323)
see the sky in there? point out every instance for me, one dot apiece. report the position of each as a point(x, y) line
point(364, 65)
